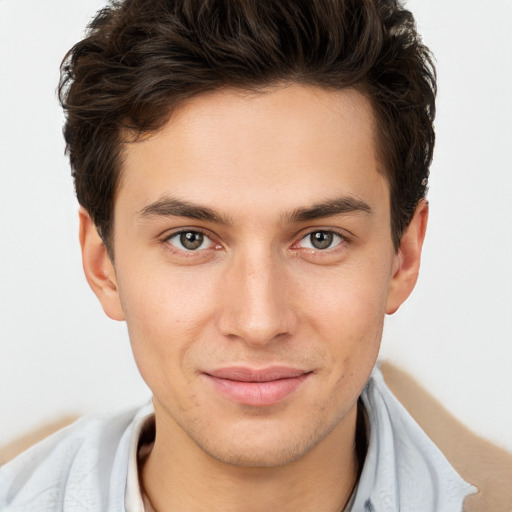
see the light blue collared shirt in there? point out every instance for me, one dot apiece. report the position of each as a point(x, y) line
point(403, 470)
point(90, 466)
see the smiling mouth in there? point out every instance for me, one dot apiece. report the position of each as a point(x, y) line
point(257, 387)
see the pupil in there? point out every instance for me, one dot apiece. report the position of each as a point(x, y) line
point(191, 239)
point(321, 239)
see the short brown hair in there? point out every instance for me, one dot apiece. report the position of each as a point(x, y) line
point(142, 57)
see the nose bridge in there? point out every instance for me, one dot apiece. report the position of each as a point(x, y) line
point(255, 305)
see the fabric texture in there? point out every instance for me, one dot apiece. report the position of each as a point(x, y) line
point(91, 466)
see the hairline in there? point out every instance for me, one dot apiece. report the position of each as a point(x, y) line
point(128, 135)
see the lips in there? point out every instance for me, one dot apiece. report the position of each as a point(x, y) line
point(257, 387)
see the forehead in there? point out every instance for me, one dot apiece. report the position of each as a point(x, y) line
point(293, 144)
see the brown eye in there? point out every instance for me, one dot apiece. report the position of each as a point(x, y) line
point(190, 241)
point(321, 240)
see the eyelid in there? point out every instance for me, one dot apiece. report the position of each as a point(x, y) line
point(169, 233)
point(345, 238)
point(166, 237)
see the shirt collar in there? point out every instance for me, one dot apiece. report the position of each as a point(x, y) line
point(403, 469)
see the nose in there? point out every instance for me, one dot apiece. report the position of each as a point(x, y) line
point(256, 301)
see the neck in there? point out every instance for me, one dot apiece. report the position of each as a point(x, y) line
point(179, 476)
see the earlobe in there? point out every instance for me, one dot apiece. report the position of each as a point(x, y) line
point(407, 259)
point(98, 268)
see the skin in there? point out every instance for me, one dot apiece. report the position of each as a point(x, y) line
point(258, 170)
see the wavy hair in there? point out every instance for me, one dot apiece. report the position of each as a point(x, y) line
point(140, 58)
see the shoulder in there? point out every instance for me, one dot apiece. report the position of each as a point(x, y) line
point(72, 469)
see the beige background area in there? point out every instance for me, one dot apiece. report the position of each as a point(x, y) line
point(478, 461)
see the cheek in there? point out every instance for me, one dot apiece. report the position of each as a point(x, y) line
point(159, 296)
point(166, 311)
point(349, 321)
point(348, 306)
point(353, 291)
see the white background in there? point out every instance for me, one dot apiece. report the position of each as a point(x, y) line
point(59, 354)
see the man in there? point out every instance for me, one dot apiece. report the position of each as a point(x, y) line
point(252, 177)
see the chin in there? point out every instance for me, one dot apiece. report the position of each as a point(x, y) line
point(268, 456)
point(274, 447)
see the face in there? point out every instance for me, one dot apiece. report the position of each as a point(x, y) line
point(254, 266)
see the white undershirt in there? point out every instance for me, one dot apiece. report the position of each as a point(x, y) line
point(135, 499)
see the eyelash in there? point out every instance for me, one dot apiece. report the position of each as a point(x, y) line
point(335, 234)
point(343, 241)
point(189, 252)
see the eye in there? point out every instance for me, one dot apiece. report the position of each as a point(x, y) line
point(320, 240)
point(190, 241)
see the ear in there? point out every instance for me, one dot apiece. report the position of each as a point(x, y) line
point(98, 268)
point(407, 259)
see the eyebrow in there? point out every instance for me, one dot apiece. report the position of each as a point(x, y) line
point(171, 207)
point(328, 208)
